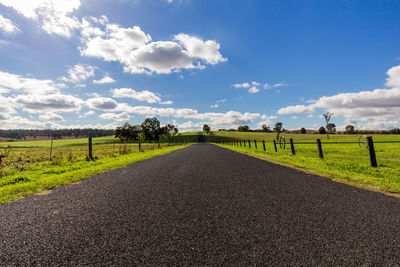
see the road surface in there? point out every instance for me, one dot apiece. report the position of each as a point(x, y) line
point(202, 205)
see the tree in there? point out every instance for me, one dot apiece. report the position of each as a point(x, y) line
point(266, 128)
point(327, 117)
point(331, 128)
point(303, 130)
point(169, 130)
point(206, 129)
point(151, 129)
point(244, 128)
point(127, 132)
point(322, 130)
point(350, 129)
point(278, 129)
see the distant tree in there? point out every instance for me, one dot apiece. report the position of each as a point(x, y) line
point(331, 128)
point(350, 129)
point(151, 129)
point(327, 117)
point(206, 129)
point(303, 130)
point(266, 128)
point(278, 129)
point(322, 130)
point(243, 128)
point(169, 130)
point(127, 132)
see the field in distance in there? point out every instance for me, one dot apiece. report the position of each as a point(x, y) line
point(259, 136)
point(346, 157)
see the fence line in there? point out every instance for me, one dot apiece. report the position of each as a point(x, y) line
point(282, 144)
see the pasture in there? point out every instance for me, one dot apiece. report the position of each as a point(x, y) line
point(31, 166)
point(346, 157)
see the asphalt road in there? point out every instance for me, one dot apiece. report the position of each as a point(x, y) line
point(202, 205)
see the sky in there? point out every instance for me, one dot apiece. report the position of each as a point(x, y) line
point(101, 63)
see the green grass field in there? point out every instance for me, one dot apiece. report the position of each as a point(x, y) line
point(345, 162)
point(26, 167)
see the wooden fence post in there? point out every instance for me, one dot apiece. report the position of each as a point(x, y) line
point(321, 155)
point(90, 148)
point(255, 144)
point(371, 149)
point(159, 143)
point(240, 142)
point(244, 143)
point(292, 146)
point(51, 147)
point(140, 146)
point(276, 150)
point(249, 144)
point(264, 145)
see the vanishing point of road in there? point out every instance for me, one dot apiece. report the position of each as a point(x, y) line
point(202, 205)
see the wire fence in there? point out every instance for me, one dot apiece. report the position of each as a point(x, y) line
point(379, 153)
point(67, 150)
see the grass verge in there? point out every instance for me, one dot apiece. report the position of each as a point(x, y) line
point(385, 178)
point(42, 176)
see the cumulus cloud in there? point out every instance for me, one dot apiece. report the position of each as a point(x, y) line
point(254, 87)
point(169, 102)
point(102, 103)
point(124, 116)
point(379, 105)
point(30, 85)
point(50, 116)
point(394, 77)
point(214, 106)
point(198, 48)
point(104, 80)
point(54, 15)
point(144, 95)
point(139, 54)
point(78, 73)
point(7, 26)
point(48, 103)
point(86, 114)
point(253, 90)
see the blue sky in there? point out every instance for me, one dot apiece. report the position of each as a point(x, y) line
point(86, 63)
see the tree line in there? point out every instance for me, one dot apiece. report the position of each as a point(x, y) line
point(150, 130)
point(56, 134)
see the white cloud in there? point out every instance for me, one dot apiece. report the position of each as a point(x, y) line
point(48, 103)
point(379, 107)
point(254, 90)
point(144, 95)
point(31, 85)
point(241, 85)
point(204, 50)
point(7, 26)
point(102, 103)
point(135, 50)
point(221, 101)
point(268, 86)
point(169, 102)
point(54, 15)
point(104, 80)
point(294, 117)
point(296, 109)
point(50, 116)
point(394, 77)
point(124, 116)
point(86, 114)
point(78, 73)
point(214, 106)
